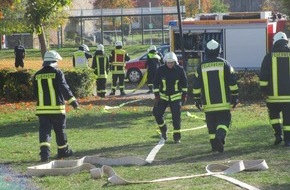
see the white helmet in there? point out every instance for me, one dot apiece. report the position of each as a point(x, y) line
point(212, 48)
point(84, 47)
point(52, 55)
point(152, 48)
point(170, 57)
point(279, 36)
point(118, 43)
point(212, 45)
point(100, 47)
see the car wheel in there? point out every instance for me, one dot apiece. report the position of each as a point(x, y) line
point(134, 75)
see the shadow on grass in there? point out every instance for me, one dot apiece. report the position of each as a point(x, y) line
point(98, 121)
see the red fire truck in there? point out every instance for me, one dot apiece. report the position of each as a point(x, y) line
point(245, 37)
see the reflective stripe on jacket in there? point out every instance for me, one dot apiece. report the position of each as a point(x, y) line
point(214, 83)
point(51, 90)
point(80, 59)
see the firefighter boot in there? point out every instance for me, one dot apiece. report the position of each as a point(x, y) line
point(177, 137)
point(44, 153)
point(64, 152)
point(278, 139)
point(163, 132)
point(122, 93)
point(278, 133)
point(217, 145)
point(112, 92)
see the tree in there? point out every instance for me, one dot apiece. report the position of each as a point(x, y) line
point(112, 4)
point(5, 5)
point(218, 7)
point(13, 19)
point(40, 12)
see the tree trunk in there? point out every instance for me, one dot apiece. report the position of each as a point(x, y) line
point(42, 42)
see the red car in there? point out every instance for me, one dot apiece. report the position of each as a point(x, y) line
point(135, 68)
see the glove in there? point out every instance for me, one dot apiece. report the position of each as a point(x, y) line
point(75, 105)
point(183, 99)
point(234, 100)
point(156, 100)
point(198, 104)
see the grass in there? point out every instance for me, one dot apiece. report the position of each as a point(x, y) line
point(33, 56)
point(130, 131)
point(115, 134)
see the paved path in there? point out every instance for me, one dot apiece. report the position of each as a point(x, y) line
point(10, 180)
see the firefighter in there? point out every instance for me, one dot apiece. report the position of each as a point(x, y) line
point(81, 57)
point(154, 60)
point(215, 87)
point(52, 91)
point(170, 89)
point(100, 65)
point(275, 85)
point(19, 52)
point(117, 61)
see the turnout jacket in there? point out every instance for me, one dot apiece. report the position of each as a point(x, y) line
point(118, 60)
point(51, 90)
point(100, 64)
point(154, 60)
point(214, 83)
point(275, 74)
point(170, 84)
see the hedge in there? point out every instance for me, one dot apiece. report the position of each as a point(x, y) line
point(16, 85)
point(248, 83)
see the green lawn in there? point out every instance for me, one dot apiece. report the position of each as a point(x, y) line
point(130, 131)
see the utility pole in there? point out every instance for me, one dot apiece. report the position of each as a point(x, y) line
point(184, 59)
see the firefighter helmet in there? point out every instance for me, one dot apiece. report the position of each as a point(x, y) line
point(279, 36)
point(152, 48)
point(52, 56)
point(212, 48)
point(170, 57)
point(100, 47)
point(84, 47)
point(118, 43)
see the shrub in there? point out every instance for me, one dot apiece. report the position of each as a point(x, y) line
point(3, 77)
point(248, 82)
point(249, 88)
point(18, 86)
point(81, 81)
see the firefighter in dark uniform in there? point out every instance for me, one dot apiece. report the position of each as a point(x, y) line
point(215, 87)
point(154, 60)
point(118, 60)
point(170, 89)
point(275, 84)
point(19, 52)
point(100, 65)
point(81, 57)
point(52, 91)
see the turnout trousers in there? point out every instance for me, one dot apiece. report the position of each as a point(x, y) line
point(121, 78)
point(274, 110)
point(218, 123)
point(58, 123)
point(158, 112)
point(101, 87)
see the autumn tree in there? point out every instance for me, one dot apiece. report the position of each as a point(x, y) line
point(5, 4)
point(39, 13)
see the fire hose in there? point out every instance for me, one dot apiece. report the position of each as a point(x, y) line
point(68, 167)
